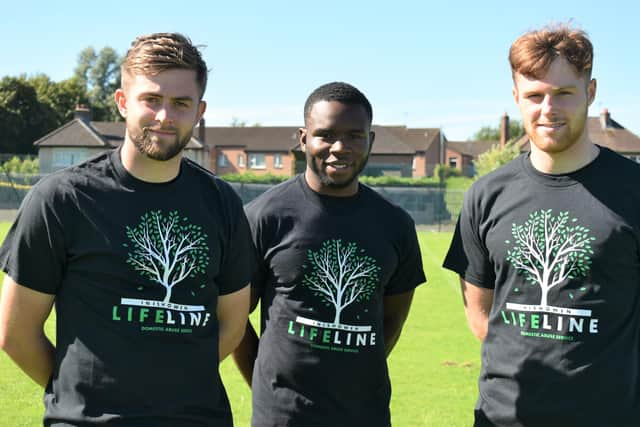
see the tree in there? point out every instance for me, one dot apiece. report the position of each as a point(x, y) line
point(167, 250)
point(550, 249)
point(23, 118)
point(495, 157)
point(341, 275)
point(492, 133)
point(62, 97)
point(99, 74)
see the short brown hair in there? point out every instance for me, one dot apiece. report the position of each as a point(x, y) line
point(532, 53)
point(154, 53)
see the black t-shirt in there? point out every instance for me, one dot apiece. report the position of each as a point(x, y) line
point(562, 254)
point(325, 265)
point(136, 269)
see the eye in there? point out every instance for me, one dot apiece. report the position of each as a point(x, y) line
point(152, 100)
point(183, 104)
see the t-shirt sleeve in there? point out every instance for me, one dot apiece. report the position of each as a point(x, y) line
point(259, 276)
point(239, 259)
point(409, 273)
point(34, 251)
point(468, 255)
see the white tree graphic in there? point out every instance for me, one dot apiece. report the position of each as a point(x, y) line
point(340, 275)
point(168, 249)
point(549, 250)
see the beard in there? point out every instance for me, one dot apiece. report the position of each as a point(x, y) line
point(572, 134)
point(327, 181)
point(152, 146)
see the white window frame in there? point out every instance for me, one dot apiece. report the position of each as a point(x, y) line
point(257, 161)
point(223, 162)
point(277, 161)
point(241, 162)
point(453, 162)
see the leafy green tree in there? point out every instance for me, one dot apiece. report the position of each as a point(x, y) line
point(548, 250)
point(341, 274)
point(99, 74)
point(62, 97)
point(166, 249)
point(23, 117)
point(492, 133)
point(495, 157)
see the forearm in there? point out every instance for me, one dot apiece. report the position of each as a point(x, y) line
point(392, 330)
point(34, 355)
point(246, 353)
point(229, 339)
point(396, 310)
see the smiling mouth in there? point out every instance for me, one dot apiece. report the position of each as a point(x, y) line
point(553, 125)
point(338, 165)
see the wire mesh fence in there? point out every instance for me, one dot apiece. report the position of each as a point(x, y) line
point(435, 208)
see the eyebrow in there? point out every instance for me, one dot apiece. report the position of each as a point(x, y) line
point(175, 98)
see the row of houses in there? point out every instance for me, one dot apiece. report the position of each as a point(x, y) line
point(398, 150)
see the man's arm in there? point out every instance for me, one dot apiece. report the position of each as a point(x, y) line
point(22, 315)
point(246, 353)
point(477, 305)
point(232, 313)
point(396, 309)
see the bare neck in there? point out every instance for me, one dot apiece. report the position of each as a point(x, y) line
point(146, 169)
point(566, 161)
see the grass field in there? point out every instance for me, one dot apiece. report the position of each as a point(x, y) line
point(433, 367)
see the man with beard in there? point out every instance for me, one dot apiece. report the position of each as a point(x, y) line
point(337, 267)
point(547, 249)
point(147, 258)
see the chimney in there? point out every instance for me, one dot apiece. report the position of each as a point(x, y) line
point(504, 129)
point(201, 132)
point(605, 119)
point(82, 112)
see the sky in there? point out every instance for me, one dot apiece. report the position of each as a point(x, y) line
point(420, 64)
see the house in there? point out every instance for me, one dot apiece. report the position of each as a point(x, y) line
point(81, 138)
point(428, 145)
point(259, 150)
point(605, 131)
point(462, 154)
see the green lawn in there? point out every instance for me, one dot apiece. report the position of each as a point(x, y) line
point(433, 367)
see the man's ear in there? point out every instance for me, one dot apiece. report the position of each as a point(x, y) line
point(302, 139)
point(202, 107)
point(121, 102)
point(591, 91)
point(514, 92)
point(372, 137)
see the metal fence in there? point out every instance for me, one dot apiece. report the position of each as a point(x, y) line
point(436, 208)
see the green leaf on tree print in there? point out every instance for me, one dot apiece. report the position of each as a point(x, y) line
point(548, 251)
point(165, 251)
point(341, 274)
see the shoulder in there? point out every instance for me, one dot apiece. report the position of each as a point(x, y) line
point(618, 163)
point(494, 183)
point(376, 202)
point(275, 198)
point(67, 181)
point(207, 180)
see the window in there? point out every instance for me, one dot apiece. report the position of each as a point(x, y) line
point(240, 160)
point(277, 161)
point(63, 157)
point(222, 160)
point(256, 161)
point(453, 162)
